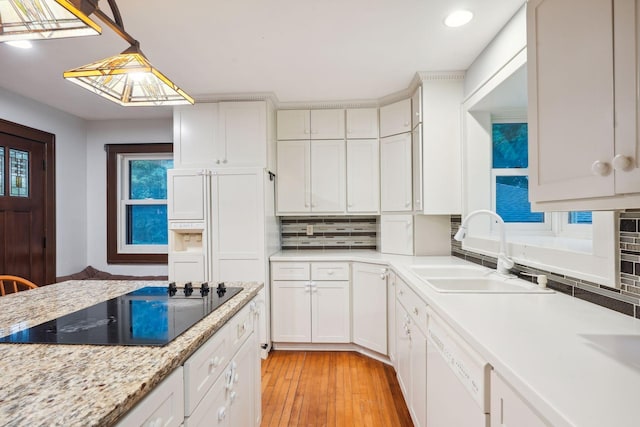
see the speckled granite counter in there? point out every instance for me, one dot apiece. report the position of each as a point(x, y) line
point(87, 385)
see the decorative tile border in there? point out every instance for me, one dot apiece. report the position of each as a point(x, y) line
point(328, 232)
point(625, 300)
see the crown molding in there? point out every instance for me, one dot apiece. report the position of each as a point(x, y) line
point(218, 97)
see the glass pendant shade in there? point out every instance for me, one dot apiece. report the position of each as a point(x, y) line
point(130, 80)
point(46, 19)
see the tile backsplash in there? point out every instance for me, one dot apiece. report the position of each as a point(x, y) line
point(625, 300)
point(328, 232)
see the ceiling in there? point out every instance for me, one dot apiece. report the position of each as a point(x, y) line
point(299, 50)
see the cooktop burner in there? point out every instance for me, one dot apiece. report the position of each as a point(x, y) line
point(148, 316)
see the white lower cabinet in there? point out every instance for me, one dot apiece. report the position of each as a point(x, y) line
point(369, 306)
point(391, 317)
point(219, 385)
point(411, 351)
point(163, 407)
point(509, 409)
point(314, 309)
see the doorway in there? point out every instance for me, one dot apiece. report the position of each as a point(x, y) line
point(27, 203)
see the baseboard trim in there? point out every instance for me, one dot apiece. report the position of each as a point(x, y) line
point(286, 346)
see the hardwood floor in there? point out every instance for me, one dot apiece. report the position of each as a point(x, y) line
point(330, 389)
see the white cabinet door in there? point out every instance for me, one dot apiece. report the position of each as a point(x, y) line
point(330, 309)
point(403, 350)
point(362, 123)
point(238, 225)
point(194, 134)
point(396, 234)
point(391, 317)
point(241, 393)
point(416, 145)
point(242, 134)
point(509, 409)
point(369, 306)
point(416, 107)
point(293, 124)
point(418, 368)
point(571, 99)
point(186, 194)
point(363, 176)
point(395, 173)
point(395, 118)
point(327, 124)
point(294, 177)
point(328, 176)
point(291, 311)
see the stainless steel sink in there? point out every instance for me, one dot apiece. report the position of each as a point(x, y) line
point(496, 285)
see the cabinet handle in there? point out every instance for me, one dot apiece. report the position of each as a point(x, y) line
point(401, 292)
point(224, 161)
point(330, 272)
point(600, 168)
point(622, 163)
point(218, 162)
point(215, 362)
point(406, 124)
point(408, 223)
point(222, 413)
point(232, 396)
point(407, 204)
point(415, 310)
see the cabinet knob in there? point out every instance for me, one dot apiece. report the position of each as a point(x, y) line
point(600, 168)
point(406, 124)
point(622, 163)
point(232, 396)
point(224, 161)
point(222, 413)
point(407, 204)
point(217, 162)
point(415, 310)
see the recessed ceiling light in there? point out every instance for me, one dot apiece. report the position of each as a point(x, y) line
point(458, 18)
point(22, 44)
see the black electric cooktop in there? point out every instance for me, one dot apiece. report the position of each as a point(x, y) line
point(151, 316)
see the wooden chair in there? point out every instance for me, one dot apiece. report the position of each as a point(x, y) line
point(14, 283)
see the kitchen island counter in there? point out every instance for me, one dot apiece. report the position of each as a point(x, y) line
point(87, 385)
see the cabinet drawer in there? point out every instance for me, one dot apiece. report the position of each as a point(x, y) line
point(414, 305)
point(290, 271)
point(240, 327)
point(330, 271)
point(164, 406)
point(203, 368)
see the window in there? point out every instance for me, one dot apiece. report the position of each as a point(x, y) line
point(510, 186)
point(137, 202)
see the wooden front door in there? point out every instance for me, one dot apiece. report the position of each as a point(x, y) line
point(27, 208)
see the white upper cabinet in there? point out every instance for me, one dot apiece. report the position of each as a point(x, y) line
point(395, 118)
point(310, 124)
point(242, 133)
point(211, 135)
point(311, 177)
point(328, 176)
point(416, 107)
point(362, 123)
point(583, 106)
point(395, 173)
point(194, 133)
point(293, 193)
point(363, 176)
point(418, 178)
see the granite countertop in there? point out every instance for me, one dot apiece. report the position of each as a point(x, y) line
point(576, 362)
point(87, 385)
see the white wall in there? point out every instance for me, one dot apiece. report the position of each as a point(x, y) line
point(100, 133)
point(71, 186)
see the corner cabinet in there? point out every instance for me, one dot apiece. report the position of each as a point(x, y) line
point(311, 176)
point(583, 107)
point(370, 306)
point(396, 178)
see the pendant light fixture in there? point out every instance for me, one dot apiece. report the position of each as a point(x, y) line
point(128, 79)
point(46, 19)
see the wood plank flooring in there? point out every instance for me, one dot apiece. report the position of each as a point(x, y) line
point(330, 389)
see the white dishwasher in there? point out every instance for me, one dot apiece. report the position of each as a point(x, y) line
point(457, 379)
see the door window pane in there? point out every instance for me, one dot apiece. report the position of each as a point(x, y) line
point(147, 225)
point(1, 171)
point(512, 200)
point(148, 179)
point(19, 172)
point(510, 145)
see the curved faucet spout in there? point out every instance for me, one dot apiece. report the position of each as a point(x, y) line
point(504, 262)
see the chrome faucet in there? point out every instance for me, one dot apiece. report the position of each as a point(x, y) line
point(504, 262)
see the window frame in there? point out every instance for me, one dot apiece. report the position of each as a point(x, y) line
point(116, 209)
